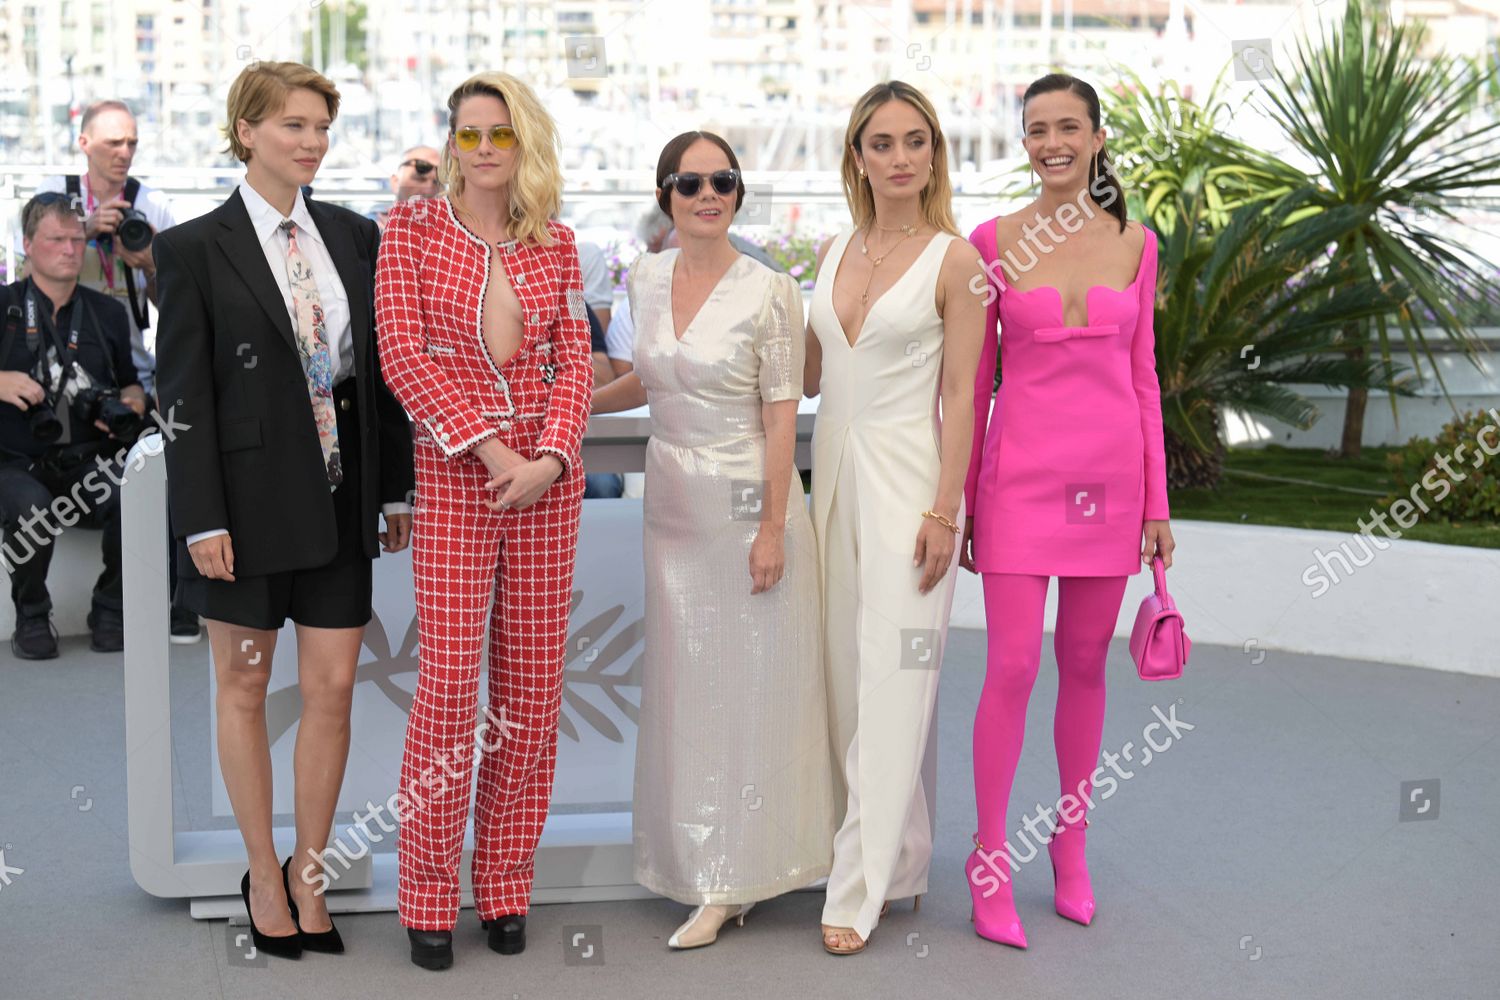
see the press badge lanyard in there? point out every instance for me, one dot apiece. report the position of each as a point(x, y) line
point(79, 317)
point(105, 257)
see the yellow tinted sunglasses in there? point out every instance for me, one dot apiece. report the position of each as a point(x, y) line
point(501, 137)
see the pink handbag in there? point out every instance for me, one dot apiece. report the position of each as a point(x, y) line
point(1158, 643)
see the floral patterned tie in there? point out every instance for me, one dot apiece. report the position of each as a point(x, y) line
point(312, 345)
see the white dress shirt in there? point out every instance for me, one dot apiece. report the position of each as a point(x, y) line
point(336, 327)
point(273, 243)
point(598, 290)
point(619, 339)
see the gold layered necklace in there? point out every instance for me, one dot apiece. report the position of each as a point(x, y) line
point(875, 261)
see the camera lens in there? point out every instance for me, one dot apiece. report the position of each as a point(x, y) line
point(42, 421)
point(134, 231)
point(123, 422)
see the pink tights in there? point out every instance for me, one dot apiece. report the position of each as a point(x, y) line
point(1086, 612)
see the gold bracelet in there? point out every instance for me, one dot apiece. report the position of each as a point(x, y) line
point(940, 519)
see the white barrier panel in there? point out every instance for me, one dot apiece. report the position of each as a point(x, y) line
point(596, 745)
point(585, 852)
point(1322, 593)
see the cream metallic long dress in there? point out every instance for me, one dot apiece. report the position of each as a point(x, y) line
point(876, 461)
point(733, 797)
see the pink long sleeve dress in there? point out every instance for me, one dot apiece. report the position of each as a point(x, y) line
point(1070, 463)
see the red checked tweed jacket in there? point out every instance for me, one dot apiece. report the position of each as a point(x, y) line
point(432, 352)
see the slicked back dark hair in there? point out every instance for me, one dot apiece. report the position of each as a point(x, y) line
point(1104, 186)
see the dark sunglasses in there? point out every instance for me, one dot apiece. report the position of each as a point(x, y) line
point(687, 183)
point(419, 167)
point(468, 137)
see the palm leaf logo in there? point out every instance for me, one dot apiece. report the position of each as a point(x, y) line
point(590, 652)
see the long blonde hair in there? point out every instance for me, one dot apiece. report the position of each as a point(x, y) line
point(937, 195)
point(536, 186)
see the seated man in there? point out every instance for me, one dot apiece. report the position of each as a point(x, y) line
point(600, 485)
point(598, 286)
point(70, 403)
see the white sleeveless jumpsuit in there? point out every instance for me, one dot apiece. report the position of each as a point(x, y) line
point(876, 460)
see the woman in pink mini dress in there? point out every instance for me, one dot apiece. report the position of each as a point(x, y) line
point(1067, 479)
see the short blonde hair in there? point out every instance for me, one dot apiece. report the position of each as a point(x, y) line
point(937, 196)
point(536, 188)
point(261, 90)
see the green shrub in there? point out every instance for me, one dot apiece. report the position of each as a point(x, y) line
point(1419, 473)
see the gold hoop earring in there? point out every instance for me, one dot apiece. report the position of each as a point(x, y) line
point(861, 174)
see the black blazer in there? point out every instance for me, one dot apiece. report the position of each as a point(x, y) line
point(245, 455)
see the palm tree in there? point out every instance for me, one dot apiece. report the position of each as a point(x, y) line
point(1389, 131)
point(1162, 145)
point(1244, 315)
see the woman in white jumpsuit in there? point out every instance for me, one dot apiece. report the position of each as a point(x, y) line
point(888, 488)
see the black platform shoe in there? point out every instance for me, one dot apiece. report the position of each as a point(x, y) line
point(507, 933)
point(329, 942)
point(431, 949)
point(286, 946)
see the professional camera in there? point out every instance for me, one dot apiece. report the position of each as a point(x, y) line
point(86, 403)
point(41, 420)
point(134, 231)
point(91, 403)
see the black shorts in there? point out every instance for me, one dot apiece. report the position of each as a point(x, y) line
point(334, 595)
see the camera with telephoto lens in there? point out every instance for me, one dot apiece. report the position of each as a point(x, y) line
point(134, 231)
point(42, 422)
point(92, 403)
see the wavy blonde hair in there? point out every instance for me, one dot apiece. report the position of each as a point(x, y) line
point(536, 186)
point(937, 195)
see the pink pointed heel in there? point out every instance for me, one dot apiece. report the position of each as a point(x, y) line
point(1073, 896)
point(994, 913)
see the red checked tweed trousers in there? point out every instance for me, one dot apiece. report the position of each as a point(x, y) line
point(513, 567)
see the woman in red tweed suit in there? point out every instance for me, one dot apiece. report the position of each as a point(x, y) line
point(484, 339)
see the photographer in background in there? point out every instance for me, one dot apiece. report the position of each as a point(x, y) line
point(70, 406)
point(121, 217)
point(415, 177)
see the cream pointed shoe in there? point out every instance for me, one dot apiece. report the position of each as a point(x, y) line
point(702, 926)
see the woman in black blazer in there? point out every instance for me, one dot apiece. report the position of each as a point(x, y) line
point(290, 444)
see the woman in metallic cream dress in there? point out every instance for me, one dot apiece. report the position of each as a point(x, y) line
point(733, 795)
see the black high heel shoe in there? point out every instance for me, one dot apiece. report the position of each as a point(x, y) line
point(285, 946)
point(507, 933)
point(431, 949)
point(328, 942)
